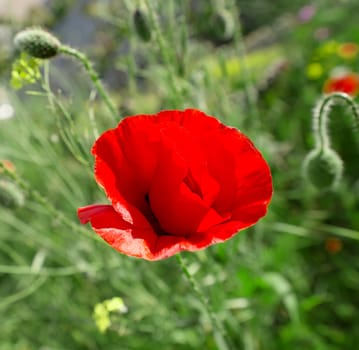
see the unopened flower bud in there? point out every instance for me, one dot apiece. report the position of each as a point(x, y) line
point(37, 43)
point(223, 25)
point(323, 168)
point(142, 25)
point(10, 195)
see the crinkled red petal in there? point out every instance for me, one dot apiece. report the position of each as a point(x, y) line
point(137, 241)
point(348, 84)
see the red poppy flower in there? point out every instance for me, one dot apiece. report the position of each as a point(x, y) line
point(348, 83)
point(176, 180)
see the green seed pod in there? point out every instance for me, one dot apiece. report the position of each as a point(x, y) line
point(142, 25)
point(37, 43)
point(323, 168)
point(223, 25)
point(10, 195)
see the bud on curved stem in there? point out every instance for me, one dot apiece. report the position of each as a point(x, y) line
point(323, 166)
point(223, 24)
point(37, 43)
point(321, 117)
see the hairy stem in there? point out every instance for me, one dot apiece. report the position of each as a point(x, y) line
point(42, 200)
point(164, 49)
point(218, 329)
point(321, 117)
point(86, 63)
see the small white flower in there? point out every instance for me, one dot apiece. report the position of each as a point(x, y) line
point(6, 111)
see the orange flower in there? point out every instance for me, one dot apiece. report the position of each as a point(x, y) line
point(7, 165)
point(348, 83)
point(348, 50)
point(333, 245)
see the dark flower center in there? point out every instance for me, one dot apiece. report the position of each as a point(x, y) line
point(192, 184)
point(151, 217)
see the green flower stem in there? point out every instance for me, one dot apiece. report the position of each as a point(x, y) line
point(159, 37)
point(164, 50)
point(249, 88)
point(39, 198)
point(218, 329)
point(321, 116)
point(91, 115)
point(31, 287)
point(83, 59)
point(67, 133)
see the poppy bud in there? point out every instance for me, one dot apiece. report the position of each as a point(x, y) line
point(223, 25)
point(323, 168)
point(37, 43)
point(10, 195)
point(142, 25)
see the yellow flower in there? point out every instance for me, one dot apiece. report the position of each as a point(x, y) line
point(102, 312)
point(314, 71)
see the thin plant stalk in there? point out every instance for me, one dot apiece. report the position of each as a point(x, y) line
point(83, 59)
point(166, 52)
point(68, 135)
point(43, 201)
point(221, 338)
point(249, 88)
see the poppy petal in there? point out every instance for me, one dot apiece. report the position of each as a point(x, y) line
point(246, 178)
point(128, 239)
point(131, 239)
point(177, 207)
point(125, 160)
